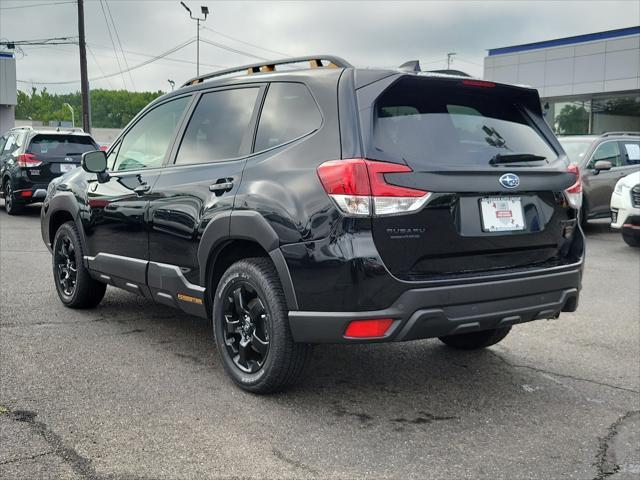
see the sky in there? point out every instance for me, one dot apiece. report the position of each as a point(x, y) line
point(367, 34)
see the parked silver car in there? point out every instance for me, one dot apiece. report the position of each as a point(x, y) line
point(603, 160)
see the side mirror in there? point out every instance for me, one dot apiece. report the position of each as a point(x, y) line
point(96, 162)
point(602, 165)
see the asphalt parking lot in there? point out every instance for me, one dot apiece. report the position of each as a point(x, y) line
point(133, 390)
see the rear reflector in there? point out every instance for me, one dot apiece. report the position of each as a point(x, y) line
point(574, 192)
point(26, 193)
point(28, 160)
point(358, 187)
point(368, 328)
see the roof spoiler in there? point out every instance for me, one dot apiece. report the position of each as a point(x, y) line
point(414, 66)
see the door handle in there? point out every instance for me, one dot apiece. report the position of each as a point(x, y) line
point(142, 188)
point(223, 185)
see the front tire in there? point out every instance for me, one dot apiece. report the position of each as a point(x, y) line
point(74, 285)
point(10, 204)
point(251, 329)
point(476, 340)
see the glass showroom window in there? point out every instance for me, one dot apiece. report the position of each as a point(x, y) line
point(616, 113)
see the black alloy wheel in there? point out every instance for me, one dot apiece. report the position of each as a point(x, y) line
point(245, 327)
point(65, 265)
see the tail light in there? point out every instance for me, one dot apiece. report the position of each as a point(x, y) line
point(104, 148)
point(28, 160)
point(574, 192)
point(358, 187)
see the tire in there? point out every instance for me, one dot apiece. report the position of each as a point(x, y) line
point(476, 340)
point(74, 285)
point(10, 204)
point(251, 329)
point(631, 240)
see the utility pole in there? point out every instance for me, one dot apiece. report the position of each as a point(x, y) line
point(84, 79)
point(450, 59)
point(205, 12)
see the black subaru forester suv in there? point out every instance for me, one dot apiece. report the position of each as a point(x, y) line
point(327, 205)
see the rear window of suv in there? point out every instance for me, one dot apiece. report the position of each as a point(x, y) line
point(433, 124)
point(61, 145)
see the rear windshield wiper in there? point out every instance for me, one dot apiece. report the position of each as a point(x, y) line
point(515, 158)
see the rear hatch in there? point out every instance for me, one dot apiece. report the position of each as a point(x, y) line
point(56, 153)
point(495, 173)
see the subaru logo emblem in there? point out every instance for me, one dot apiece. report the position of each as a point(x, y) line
point(509, 180)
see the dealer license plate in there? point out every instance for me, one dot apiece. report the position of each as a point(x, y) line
point(502, 214)
point(67, 167)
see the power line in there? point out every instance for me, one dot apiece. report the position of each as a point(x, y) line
point(115, 29)
point(178, 60)
point(35, 5)
point(246, 43)
point(98, 65)
point(135, 67)
point(44, 41)
point(231, 49)
point(106, 21)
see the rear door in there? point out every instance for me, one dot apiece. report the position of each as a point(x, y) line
point(483, 214)
point(57, 153)
point(208, 161)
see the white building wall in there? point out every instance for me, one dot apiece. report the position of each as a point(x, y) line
point(600, 66)
point(8, 92)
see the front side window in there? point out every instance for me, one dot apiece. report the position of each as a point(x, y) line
point(607, 151)
point(146, 144)
point(219, 127)
point(289, 112)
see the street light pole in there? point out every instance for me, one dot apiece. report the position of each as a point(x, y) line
point(205, 12)
point(449, 59)
point(84, 78)
point(73, 116)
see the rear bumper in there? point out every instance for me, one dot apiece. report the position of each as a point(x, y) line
point(449, 310)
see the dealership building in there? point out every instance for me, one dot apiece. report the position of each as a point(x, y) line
point(8, 94)
point(588, 83)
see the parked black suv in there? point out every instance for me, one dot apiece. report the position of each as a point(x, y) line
point(327, 205)
point(30, 159)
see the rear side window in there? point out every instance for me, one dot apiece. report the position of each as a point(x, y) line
point(61, 145)
point(289, 112)
point(219, 127)
point(431, 124)
point(632, 152)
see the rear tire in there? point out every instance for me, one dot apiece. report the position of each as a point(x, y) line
point(475, 340)
point(74, 285)
point(10, 204)
point(631, 240)
point(251, 328)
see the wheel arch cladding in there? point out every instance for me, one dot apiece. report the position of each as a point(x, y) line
point(236, 235)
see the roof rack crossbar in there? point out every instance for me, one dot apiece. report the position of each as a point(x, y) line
point(611, 134)
point(315, 61)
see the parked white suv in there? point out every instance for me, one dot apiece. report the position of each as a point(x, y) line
point(625, 208)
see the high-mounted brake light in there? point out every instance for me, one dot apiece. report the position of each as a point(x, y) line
point(28, 160)
point(368, 328)
point(358, 187)
point(574, 192)
point(478, 83)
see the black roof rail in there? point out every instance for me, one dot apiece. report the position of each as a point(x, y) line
point(611, 134)
point(315, 61)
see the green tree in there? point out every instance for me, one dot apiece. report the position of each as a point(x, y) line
point(109, 108)
point(572, 120)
